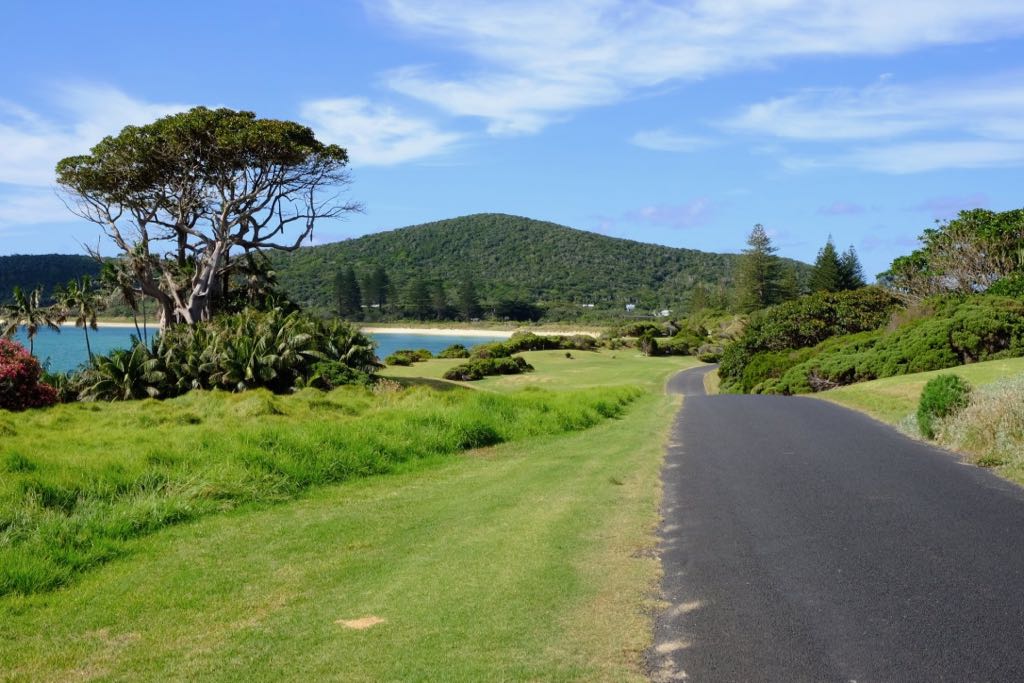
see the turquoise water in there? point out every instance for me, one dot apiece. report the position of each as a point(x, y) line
point(66, 350)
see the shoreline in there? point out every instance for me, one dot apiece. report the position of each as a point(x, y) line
point(375, 329)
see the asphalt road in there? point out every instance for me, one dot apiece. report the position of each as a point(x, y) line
point(805, 542)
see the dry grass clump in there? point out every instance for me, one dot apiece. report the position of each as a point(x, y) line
point(991, 427)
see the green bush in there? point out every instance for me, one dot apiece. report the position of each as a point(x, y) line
point(528, 341)
point(961, 330)
point(454, 351)
point(941, 397)
point(801, 323)
point(1011, 285)
point(478, 368)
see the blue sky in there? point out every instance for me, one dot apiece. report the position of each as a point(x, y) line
point(681, 123)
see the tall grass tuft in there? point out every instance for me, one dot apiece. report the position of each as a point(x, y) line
point(991, 427)
point(82, 480)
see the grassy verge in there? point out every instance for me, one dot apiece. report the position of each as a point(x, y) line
point(529, 560)
point(712, 383)
point(81, 481)
point(894, 398)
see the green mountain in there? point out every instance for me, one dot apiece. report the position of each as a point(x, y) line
point(29, 271)
point(511, 256)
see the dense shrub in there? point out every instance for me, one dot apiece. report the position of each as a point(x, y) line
point(408, 357)
point(454, 351)
point(961, 331)
point(1011, 285)
point(638, 328)
point(528, 341)
point(20, 379)
point(252, 349)
point(941, 397)
point(801, 323)
point(478, 368)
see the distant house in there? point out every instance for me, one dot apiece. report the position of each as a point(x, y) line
point(630, 307)
point(664, 313)
point(587, 305)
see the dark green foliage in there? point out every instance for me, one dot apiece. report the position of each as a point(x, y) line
point(408, 357)
point(511, 257)
point(959, 331)
point(47, 270)
point(454, 351)
point(796, 324)
point(253, 349)
point(759, 273)
point(528, 341)
point(331, 374)
point(826, 275)
point(347, 294)
point(517, 309)
point(942, 396)
point(417, 301)
point(965, 255)
point(478, 368)
point(469, 300)
point(851, 274)
point(1011, 285)
point(638, 328)
point(648, 344)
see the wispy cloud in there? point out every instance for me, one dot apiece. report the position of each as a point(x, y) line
point(691, 214)
point(31, 144)
point(666, 140)
point(535, 61)
point(947, 206)
point(840, 208)
point(375, 134)
point(897, 128)
point(30, 206)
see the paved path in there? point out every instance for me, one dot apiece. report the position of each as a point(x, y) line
point(805, 542)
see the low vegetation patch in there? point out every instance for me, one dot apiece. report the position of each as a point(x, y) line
point(528, 341)
point(69, 504)
point(407, 357)
point(943, 396)
point(478, 368)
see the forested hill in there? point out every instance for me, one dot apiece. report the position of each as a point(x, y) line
point(510, 256)
point(28, 271)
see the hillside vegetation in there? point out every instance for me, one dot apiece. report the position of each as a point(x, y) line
point(49, 270)
point(511, 256)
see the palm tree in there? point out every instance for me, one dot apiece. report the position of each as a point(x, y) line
point(118, 281)
point(27, 311)
point(80, 300)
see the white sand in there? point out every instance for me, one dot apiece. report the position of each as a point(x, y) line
point(465, 332)
point(102, 323)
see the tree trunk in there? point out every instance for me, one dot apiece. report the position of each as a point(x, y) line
point(88, 346)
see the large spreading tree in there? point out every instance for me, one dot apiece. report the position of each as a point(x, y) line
point(182, 198)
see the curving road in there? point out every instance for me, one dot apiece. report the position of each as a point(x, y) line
point(805, 542)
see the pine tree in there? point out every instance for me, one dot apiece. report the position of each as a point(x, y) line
point(791, 284)
point(759, 272)
point(417, 298)
point(378, 286)
point(347, 293)
point(439, 299)
point(827, 273)
point(851, 275)
point(469, 300)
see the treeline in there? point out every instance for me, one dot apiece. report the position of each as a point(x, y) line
point(48, 271)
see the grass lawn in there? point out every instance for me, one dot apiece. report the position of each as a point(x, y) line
point(529, 560)
point(892, 399)
point(554, 371)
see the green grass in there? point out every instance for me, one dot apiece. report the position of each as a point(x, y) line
point(892, 399)
point(81, 481)
point(586, 369)
point(528, 560)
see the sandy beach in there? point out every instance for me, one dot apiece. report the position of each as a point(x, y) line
point(462, 332)
point(103, 323)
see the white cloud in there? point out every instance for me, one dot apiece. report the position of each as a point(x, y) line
point(31, 206)
point(665, 140)
point(374, 134)
point(536, 61)
point(31, 145)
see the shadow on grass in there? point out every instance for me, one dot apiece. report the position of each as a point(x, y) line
point(439, 384)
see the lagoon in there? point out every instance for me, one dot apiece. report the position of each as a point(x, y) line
point(65, 350)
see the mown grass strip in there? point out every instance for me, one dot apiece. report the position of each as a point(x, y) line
point(527, 561)
point(83, 481)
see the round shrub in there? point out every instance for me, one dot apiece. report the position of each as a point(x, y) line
point(20, 385)
point(454, 351)
point(942, 396)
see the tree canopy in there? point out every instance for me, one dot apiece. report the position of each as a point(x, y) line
point(180, 195)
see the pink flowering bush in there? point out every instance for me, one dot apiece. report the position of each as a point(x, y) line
point(20, 387)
